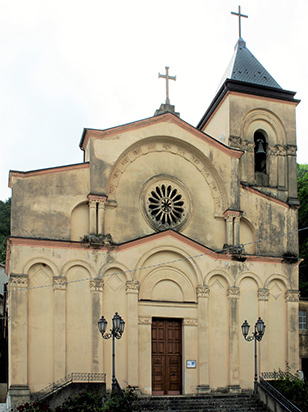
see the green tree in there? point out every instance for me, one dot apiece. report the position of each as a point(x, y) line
point(302, 183)
point(5, 221)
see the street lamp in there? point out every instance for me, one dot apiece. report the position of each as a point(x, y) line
point(257, 335)
point(116, 332)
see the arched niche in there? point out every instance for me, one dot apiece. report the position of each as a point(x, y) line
point(175, 148)
point(79, 221)
point(167, 256)
point(265, 121)
point(167, 284)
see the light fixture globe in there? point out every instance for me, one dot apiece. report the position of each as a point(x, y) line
point(102, 325)
point(245, 328)
point(116, 322)
point(122, 325)
point(260, 327)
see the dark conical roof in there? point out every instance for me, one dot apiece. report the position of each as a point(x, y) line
point(244, 67)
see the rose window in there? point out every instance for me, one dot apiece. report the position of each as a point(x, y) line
point(165, 203)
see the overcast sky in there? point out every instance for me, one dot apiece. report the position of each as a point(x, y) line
point(70, 64)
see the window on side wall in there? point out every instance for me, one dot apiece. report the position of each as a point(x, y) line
point(302, 319)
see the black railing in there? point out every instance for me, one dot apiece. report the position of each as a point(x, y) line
point(75, 377)
point(274, 393)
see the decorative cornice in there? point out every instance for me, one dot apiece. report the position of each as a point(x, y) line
point(292, 295)
point(132, 286)
point(145, 321)
point(96, 285)
point(233, 292)
point(190, 322)
point(203, 291)
point(17, 282)
point(263, 294)
point(59, 283)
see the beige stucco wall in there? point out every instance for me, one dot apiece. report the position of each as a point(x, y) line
point(60, 286)
point(62, 329)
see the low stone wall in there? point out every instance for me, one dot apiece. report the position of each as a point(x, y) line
point(270, 402)
point(57, 398)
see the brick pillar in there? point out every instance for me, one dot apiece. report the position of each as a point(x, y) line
point(203, 326)
point(234, 331)
point(59, 299)
point(132, 290)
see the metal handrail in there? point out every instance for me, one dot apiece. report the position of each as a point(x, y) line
point(73, 377)
point(283, 401)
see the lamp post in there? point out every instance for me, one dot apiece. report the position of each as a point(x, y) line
point(257, 335)
point(116, 332)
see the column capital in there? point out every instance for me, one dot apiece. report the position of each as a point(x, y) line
point(132, 286)
point(229, 213)
point(292, 295)
point(18, 282)
point(96, 285)
point(97, 198)
point(233, 292)
point(59, 283)
point(203, 291)
point(263, 294)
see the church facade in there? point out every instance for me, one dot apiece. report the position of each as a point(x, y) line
point(184, 231)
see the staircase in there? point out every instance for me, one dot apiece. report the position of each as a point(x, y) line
point(206, 403)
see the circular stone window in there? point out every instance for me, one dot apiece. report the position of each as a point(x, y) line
point(166, 203)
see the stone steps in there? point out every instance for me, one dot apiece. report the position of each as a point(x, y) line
point(207, 403)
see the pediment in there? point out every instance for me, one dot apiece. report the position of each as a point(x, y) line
point(167, 125)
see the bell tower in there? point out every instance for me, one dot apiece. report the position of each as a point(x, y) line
point(253, 113)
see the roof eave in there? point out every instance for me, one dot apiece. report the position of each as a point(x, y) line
point(245, 88)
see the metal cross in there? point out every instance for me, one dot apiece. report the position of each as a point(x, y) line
point(239, 19)
point(167, 77)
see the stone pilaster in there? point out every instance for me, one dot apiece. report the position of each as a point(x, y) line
point(145, 354)
point(18, 337)
point(101, 215)
point(263, 296)
point(59, 299)
point(132, 291)
point(96, 288)
point(203, 326)
point(92, 216)
point(292, 299)
point(233, 294)
point(237, 220)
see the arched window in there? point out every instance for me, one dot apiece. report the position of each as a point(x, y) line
point(260, 152)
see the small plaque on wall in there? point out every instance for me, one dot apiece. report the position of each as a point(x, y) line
point(191, 364)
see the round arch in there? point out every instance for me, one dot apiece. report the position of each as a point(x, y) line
point(175, 147)
point(43, 261)
point(68, 265)
point(218, 272)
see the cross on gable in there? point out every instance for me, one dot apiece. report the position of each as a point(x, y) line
point(167, 77)
point(239, 19)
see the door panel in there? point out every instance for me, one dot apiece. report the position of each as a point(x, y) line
point(166, 356)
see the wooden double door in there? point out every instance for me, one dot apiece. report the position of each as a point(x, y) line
point(166, 356)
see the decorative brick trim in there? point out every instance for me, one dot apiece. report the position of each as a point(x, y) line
point(190, 322)
point(145, 321)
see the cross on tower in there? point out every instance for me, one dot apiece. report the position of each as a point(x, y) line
point(239, 19)
point(167, 77)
